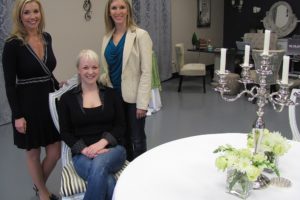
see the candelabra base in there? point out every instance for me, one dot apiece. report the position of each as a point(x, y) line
point(262, 182)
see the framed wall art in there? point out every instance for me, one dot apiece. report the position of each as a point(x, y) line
point(203, 9)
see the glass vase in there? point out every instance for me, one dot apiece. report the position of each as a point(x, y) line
point(238, 184)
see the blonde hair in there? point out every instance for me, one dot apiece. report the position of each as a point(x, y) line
point(109, 23)
point(89, 54)
point(19, 30)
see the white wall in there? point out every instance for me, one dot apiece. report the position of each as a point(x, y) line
point(71, 33)
point(184, 24)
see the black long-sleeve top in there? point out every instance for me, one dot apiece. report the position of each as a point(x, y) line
point(81, 127)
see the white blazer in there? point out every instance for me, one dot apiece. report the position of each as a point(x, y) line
point(136, 67)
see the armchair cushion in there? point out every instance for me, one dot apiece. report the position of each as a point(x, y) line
point(193, 69)
point(71, 183)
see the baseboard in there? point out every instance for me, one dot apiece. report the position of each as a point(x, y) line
point(174, 75)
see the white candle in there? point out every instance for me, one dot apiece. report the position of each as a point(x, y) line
point(267, 42)
point(285, 70)
point(247, 55)
point(223, 60)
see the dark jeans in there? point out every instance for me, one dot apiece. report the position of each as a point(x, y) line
point(135, 136)
point(99, 172)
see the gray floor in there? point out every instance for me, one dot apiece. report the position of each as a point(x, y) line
point(184, 114)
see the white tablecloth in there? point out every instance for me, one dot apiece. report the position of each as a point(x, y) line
point(184, 170)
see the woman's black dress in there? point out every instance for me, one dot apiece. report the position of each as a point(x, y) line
point(29, 81)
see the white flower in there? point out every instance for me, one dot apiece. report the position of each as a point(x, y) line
point(243, 163)
point(272, 142)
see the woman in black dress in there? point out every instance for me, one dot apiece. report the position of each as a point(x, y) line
point(28, 62)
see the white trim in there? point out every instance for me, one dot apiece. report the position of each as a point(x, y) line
point(292, 115)
point(71, 83)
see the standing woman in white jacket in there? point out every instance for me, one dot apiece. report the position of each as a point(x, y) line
point(127, 61)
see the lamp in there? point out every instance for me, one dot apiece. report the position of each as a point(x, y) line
point(237, 4)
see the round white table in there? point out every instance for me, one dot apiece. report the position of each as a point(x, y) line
point(185, 169)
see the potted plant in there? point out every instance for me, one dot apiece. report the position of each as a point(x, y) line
point(195, 40)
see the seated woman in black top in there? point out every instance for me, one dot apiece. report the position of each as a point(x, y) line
point(92, 124)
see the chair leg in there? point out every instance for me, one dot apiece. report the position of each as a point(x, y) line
point(180, 83)
point(204, 87)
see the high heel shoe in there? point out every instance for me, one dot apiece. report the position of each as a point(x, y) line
point(36, 190)
point(53, 197)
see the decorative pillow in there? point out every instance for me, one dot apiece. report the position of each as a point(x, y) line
point(72, 184)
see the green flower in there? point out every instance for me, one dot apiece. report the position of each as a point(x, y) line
point(221, 163)
point(279, 150)
point(253, 172)
point(250, 141)
point(271, 142)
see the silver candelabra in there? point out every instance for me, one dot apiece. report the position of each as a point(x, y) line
point(260, 92)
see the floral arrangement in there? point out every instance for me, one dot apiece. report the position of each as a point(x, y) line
point(272, 143)
point(244, 161)
point(243, 167)
point(246, 165)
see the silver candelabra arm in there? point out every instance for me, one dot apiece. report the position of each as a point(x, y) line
point(281, 98)
point(252, 94)
point(297, 96)
point(260, 92)
point(223, 89)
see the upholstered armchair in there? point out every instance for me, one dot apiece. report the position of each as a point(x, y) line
point(72, 186)
point(190, 69)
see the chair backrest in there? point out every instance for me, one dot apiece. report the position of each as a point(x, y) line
point(292, 115)
point(276, 61)
point(179, 52)
point(53, 99)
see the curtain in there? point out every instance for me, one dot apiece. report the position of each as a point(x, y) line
point(155, 17)
point(5, 27)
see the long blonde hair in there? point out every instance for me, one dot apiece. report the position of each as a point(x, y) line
point(19, 30)
point(109, 23)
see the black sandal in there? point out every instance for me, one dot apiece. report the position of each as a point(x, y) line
point(36, 190)
point(53, 197)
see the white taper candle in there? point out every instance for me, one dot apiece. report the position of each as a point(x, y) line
point(223, 60)
point(285, 69)
point(247, 55)
point(267, 42)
